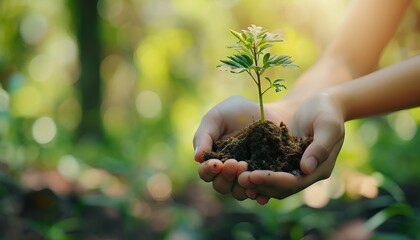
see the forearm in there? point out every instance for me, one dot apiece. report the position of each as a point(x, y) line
point(356, 48)
point(390, 89)
point(367, 28)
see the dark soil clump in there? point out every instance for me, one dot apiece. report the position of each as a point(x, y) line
point(264, 146)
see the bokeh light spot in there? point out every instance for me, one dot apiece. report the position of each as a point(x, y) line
point(33, 28)
point(369, 132)
point(317, 195)
point(109, 9)
point(159, 187)
point(40, 68)
point(44, 130)
point(404, 125)
point(26, 101)
point(68, 167)
point(140, 209)
point(93, 178)
point(362, 185)
point(63, 50)
point(148, 104)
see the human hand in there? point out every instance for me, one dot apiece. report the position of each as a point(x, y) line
point(223, 121)
point(318, 116)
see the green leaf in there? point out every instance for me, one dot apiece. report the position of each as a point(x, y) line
point(278, 87)
point(238, 70)
point(248, 59)
point(231, 63)
point(243, 60)
point(266, 58)
point(237, 60)
point(265, 47)
point(276, 84)
point(230, 68)
point(277, 81)
point(269, 80)
point(285, 61)
point(239, 37)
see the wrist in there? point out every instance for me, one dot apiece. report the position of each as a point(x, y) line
point(329, 71)
point(337, 99)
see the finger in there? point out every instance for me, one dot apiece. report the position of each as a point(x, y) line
point(208, 132)
point(238, 191)
point(224, 182)
point(230, 170)
point(244, 181)
point(209, 169)
point(325, 169)
point(250, 193)
point(327, 132)
point(242, 167)
point(262, 200)
point(270, 178)
point(271, 184)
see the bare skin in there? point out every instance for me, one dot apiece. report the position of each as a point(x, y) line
point(322, 99)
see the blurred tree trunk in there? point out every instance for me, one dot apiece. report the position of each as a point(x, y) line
point(86, 20)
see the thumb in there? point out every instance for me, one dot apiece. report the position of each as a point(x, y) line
point(328, 133)
point(208, 132)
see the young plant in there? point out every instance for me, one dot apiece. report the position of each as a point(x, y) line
point(252, 57)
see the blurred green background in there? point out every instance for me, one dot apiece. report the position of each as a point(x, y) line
point(99, 102)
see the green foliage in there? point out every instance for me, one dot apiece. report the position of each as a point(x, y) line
point(252, 44)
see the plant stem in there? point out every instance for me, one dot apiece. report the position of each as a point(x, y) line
point(260, 94)
point(260, 98)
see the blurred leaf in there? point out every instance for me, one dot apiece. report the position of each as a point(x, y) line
point(386, 214)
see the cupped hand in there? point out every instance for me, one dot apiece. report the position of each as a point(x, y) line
point(222, 121)
point(318, 116)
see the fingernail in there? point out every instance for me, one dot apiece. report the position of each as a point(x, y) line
point(196, 149)
point(251, 194)
point(311, 163)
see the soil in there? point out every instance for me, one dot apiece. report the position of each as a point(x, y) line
point(264, 146)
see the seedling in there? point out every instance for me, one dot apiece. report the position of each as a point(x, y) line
point(252, 57)
point(264, 144)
